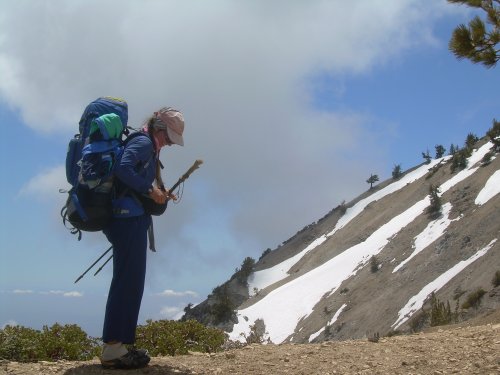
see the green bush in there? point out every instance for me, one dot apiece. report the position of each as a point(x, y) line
point(168, 337)
point(69, 342)
point(440, 312)
point(19, 344)
point(342, 207)
point(486, 160)
point(418, 321)
point(474, 299)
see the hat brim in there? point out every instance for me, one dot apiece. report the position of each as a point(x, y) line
point(175, 137)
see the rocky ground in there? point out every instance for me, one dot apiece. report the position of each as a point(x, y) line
point(451, 350)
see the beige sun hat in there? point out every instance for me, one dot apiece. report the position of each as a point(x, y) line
point(173, 121)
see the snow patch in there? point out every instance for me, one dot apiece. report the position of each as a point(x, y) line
point(417, 301)
point(491, 189)
point(431, 233)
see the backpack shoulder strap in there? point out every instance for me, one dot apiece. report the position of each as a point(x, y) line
point(135, 135)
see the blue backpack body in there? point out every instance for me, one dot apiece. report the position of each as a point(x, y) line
point(90, 161)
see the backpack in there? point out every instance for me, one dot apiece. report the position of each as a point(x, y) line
point(90, 160)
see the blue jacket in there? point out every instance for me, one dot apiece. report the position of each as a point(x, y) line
point(136, 170)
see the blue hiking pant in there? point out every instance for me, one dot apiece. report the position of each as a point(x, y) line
point(129, 239)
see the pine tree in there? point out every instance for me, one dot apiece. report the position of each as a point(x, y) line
point(453, 149)
point(396, 172)
point(427, 157)
point(477, 42)
point(440, 151)
point(494, 134)
point(434, 210)
point(459, 160)
point(373, 178)
point(470, 141)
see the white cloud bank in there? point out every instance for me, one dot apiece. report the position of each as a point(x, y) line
point(241, 73)
point(173, 293)
point(70, 294)
point(46, 185)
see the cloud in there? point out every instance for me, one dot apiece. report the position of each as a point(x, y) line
point(50, 292)
point(242, 72)
point(63, 293)
point(72, 294)
point(171, 312)
point(172, 293)
point(46, 185)
point(22, 291)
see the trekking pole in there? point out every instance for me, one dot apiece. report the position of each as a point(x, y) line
point(93, 264)
point(106, 262)
point(186, 175)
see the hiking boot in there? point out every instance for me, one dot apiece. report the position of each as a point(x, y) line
point(135, 358)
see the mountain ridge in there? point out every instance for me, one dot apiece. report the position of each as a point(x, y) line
point(367, 302)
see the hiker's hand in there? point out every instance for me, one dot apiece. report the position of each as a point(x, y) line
point(158, 195)
point(171, 195)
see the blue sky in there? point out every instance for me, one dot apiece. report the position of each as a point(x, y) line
point(292, 105)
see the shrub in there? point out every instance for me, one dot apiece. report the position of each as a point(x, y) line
point(342, 207)
point(20, 344)
point(257, 334)
point(168, 337)
point(440, 312)
point(68, 342)
point(418, 321)
point(487, 158)
point(473, 299)
point(496, 279)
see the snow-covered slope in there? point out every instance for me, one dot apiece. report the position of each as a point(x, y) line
point(342, 291)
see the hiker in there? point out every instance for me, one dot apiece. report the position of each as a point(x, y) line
point(135, 173)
